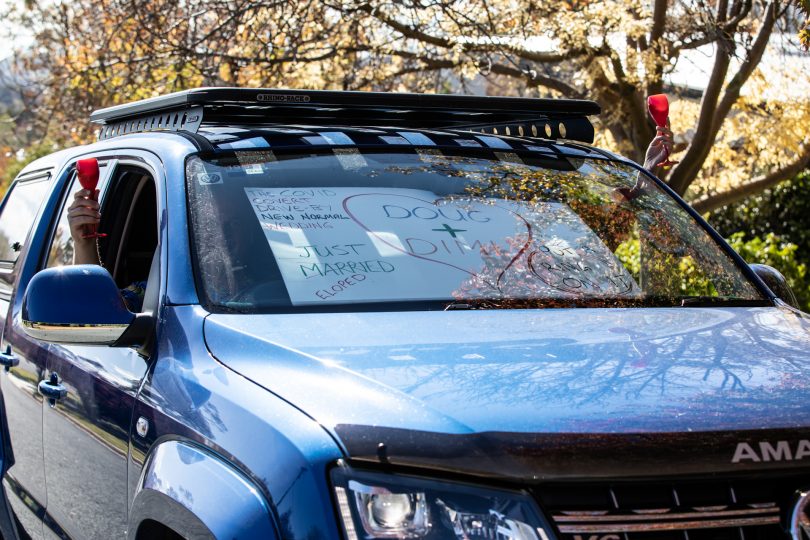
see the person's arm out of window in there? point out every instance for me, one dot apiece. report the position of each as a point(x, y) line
point(82, 213)
point(658, 151)
point(660, 148)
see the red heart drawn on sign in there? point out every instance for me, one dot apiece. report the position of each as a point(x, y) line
point(439, 221)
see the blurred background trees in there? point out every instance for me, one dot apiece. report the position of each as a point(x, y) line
point(733, 69)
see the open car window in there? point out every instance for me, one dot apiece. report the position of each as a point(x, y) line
point(424, 229)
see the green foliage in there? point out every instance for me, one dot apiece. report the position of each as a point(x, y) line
point(777, 221)
point(783, 210)
point(629, 254)
point(694, 281)
point(769, 249)
point(773, 251)
point(691, 280)
point(15, 165)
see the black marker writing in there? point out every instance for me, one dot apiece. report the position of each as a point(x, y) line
point(345, 268)
point(433, 212)
point(329, 251)
point(340, 286)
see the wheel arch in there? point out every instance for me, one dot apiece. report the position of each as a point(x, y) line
point(197, 494)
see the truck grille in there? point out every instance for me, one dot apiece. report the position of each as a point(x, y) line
point(721, 510)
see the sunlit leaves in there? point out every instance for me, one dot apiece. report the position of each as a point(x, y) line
point(804, 31)
point(771, 250)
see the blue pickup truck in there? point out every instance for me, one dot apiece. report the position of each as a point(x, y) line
point(388, 316)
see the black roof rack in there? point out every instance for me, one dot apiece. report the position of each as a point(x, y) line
point(190, 109)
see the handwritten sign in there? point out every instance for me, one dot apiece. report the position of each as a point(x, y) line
point(347, 245)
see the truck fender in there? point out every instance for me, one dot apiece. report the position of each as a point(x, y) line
point(198, 495)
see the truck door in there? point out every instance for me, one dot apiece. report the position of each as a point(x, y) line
point(86, 433)
point(24, 481)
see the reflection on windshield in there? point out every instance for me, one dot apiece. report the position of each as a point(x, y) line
point(351, 228)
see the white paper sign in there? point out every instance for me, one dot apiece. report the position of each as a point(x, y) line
point(348, 245)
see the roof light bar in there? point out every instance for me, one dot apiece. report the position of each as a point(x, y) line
point(190, 109)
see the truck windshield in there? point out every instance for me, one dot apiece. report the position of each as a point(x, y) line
point(350, 229)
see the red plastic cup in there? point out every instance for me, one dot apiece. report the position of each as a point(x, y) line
point(658, 106)
point(87, 171)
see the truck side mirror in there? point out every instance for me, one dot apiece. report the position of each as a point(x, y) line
point(75, 304)
point(776, 282)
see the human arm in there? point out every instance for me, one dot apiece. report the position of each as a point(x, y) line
point(83, 212)
point(659, 149)
point(658, 152)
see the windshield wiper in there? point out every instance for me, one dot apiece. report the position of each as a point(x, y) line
point(457, 305)
point(473, 304)
point(708, 301)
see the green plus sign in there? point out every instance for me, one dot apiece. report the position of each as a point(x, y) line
point(448, 229)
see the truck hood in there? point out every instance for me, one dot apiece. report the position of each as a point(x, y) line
point(511, 392)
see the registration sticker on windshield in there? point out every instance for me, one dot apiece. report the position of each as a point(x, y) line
point(343, 245)
point(205, 178)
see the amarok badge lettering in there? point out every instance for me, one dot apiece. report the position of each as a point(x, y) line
point(765, 451)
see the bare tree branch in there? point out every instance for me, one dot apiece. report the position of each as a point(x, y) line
point(536, 79)
point(530, 78)
point(713, 113)
point(722, 11)
point(659, 20)
point(468, 46)
point(728, 28)
point(724, 198)
point(732, 91)
point(655, 42)
point(683, 173)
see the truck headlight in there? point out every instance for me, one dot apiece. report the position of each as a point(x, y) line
point(374, 505)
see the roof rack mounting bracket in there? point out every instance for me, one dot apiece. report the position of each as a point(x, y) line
point(187, 119)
